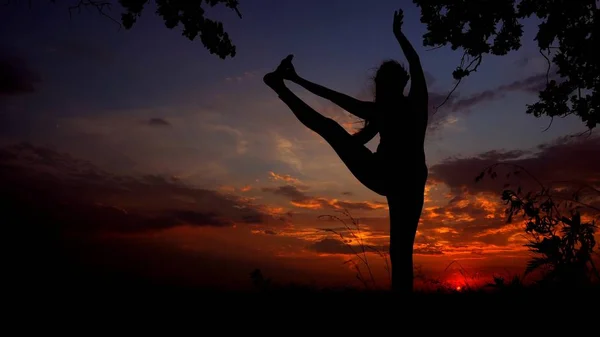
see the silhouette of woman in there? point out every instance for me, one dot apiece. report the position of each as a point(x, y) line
point(397, 170)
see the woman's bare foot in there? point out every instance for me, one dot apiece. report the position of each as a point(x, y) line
point(287, 68)
point(275, 78)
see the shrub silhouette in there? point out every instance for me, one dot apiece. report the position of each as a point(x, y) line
point(561, 241)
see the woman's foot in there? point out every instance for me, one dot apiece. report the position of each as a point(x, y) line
point(287, 68)
point(275, 78)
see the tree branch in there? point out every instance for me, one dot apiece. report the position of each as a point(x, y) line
point(98, 5)
point(467, 73)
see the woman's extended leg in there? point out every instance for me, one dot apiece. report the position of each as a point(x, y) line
point(359, 159)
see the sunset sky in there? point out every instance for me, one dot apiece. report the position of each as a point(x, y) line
point(187, 168)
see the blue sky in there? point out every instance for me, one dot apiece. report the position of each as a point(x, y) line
point(88, 67)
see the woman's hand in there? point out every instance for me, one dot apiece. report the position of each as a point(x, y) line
point(398, 21)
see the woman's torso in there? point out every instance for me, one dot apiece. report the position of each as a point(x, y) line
point(402, 128)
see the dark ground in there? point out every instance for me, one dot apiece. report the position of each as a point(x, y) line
point(61, 300)
point(129, 297)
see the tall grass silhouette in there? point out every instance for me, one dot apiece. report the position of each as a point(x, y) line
point(360, 259)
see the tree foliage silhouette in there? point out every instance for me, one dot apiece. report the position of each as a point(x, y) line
point(560, 238)
point(190, 14)
point(567, 37)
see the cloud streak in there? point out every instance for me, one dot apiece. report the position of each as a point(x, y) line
point(158, 122)
point(78, 196)
point(300, 199)
point(455, 105)
point(572, 159)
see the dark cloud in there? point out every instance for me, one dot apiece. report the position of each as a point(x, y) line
point(464, 104)
point(158, 122)
point(347, 193)
point(76, 195)
point(473, 220)
point(82, 217)
point(532, 84)
point(336, 246)
point(253, 218)
point(502, 155)
point(457, 105)
point(330, 246)
point(431, 250)
point(16, 77)
point(576, 160)
point(203, 219)
point(303, 200)
point(289, 191)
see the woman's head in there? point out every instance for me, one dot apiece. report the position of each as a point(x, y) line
point(390, 80)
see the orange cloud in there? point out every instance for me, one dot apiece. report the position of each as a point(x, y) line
point(301, 200)
point(310, 203)
point(283, 177)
